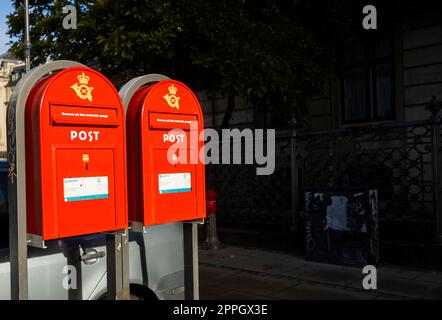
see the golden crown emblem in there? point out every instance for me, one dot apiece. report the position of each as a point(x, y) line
point(83, 79)
point(81, 88)
point(173, 89)
point(172, 99)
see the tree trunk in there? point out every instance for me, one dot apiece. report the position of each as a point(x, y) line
point(229, 110)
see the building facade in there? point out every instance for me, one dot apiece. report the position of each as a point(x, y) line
point(370, 127)
point(9, 75)
point(393, 74)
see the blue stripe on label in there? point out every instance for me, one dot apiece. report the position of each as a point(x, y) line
point(175, 190)
point(91, 197)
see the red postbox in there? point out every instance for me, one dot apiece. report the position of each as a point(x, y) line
point(165, 173)
point(211, 201)
point(75, 155)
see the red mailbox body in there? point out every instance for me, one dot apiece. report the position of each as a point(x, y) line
point(162, 187)
point(75, 160)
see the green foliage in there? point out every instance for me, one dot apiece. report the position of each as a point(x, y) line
point(276, 51)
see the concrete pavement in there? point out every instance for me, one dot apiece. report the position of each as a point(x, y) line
point(236, 273)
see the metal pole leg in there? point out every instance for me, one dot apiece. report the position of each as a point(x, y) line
point(18, 253)
point(191, 278)
point(117, 246)
point(213, 242)
point(294, 176)
point(124, 294)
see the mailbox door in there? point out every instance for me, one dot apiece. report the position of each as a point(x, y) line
point(173, 189)
point(85, 191)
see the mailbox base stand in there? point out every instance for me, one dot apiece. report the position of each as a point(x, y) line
point(36, 241)
point(138, 227)
point(117, 253)
point(190, 246)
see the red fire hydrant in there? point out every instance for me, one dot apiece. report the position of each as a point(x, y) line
point(211, 202)
point(212, 232)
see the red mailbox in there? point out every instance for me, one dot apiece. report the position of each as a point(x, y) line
point(75, 156)
point(164, 184)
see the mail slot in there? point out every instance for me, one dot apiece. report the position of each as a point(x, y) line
point(83, 116)
point(165, 175)
point(75, 156)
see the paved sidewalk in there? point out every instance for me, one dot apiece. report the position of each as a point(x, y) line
point(237, 273)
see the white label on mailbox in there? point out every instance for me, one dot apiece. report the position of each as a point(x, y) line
point(174, 182)
point(85, 188)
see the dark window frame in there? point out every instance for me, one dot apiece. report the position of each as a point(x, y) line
point(369, 64)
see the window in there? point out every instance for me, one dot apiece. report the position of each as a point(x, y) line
point(368, 86)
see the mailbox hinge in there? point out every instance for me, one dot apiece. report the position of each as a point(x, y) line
point(137, 226)
point(196, 221)
point(34, 240)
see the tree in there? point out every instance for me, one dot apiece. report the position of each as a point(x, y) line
point(272, 52)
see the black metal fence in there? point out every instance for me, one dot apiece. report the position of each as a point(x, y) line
point(248, 200)
point(402, 161)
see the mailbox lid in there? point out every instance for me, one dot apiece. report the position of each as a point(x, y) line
point(82, 87)
point(174, 103)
